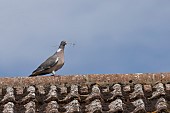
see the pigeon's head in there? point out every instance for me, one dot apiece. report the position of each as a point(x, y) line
point(63, 43)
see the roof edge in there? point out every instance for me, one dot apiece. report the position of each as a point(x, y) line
point(142, 78)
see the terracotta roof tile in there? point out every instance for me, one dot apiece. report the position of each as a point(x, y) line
point(93, 93)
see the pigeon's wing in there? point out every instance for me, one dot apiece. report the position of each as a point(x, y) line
point(50, 62)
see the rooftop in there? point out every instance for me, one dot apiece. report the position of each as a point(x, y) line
point(93, 93)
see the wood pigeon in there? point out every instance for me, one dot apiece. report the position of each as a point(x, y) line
point(53, 63)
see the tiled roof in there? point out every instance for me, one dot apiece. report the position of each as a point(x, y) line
point(93, 93)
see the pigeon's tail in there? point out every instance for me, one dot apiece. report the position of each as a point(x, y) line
point(32, 75)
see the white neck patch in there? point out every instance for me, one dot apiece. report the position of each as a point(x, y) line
point(59, 50)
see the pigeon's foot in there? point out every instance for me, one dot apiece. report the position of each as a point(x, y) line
point(55, 75)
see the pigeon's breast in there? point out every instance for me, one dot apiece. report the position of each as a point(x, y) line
point(60, 62)
point(59, 65)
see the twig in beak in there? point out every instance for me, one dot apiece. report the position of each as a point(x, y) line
point(73, 44)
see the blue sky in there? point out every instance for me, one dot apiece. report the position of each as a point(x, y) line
point(111, 36)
